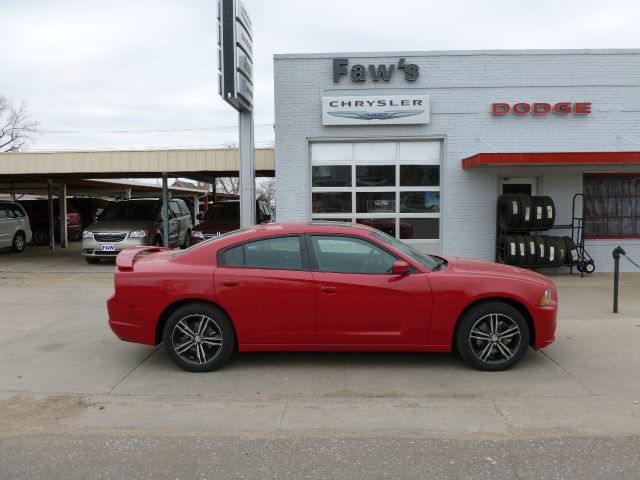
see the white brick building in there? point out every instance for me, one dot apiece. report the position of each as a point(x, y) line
point(365, 169)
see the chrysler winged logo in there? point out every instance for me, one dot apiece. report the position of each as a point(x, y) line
point(386, 115)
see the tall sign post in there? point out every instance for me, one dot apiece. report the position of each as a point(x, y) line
point(235, 86)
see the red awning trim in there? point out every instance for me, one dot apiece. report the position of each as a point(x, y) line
point(550, 158)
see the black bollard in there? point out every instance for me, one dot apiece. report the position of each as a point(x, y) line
point(616, 274)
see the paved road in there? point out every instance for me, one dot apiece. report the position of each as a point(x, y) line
point(75, 402)
point(169, 457)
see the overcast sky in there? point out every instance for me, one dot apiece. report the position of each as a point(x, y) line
point(116, 73)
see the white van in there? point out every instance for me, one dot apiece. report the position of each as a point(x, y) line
point(15, 231)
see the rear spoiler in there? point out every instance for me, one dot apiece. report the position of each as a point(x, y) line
point(126, 258)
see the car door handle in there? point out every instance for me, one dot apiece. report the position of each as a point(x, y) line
point(328, 290)
point(230, 283)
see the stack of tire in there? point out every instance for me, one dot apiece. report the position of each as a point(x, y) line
point(519, 212)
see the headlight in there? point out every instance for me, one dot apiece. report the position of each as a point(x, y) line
point(139, 234)
point(87, 234)
point(197, 234)
point(546, 298)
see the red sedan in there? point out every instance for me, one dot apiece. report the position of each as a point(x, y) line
point(326, 287)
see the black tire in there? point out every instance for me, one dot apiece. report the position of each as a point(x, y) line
point(521, 250)
point(187, 239)
point(40, 236)
point(475, 336)
point(92, 260)
point(537, 207)
point(571, 251)
point(589, 267)
point(549, 216)
point(540, 250)
point(526, 216)
point(19, 242)
point(561, 251)
point(510, 250)
point(510, 209)
point(530, 247)
point(549, 250)
point(185, 327)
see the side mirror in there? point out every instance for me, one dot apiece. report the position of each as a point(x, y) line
point(400, 267)
point(200, 217)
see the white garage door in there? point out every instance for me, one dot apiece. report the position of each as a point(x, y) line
point(392, 186)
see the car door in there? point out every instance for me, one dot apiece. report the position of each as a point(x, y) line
point(6, 227)
point(174, 224)
point(267, 289)
point(359, 300)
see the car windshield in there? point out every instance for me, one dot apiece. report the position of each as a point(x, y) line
point(130, 211)
point(223, 211)
point(427, 261)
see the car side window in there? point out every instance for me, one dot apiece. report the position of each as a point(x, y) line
point(276, 253)
point(175, 209)
point(3, 212)
point(183, 209)
point(17, 211)
point(340, 254)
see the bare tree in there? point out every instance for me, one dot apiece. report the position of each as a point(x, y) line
point(266, 190)
point(17, 128)
point(228, 185)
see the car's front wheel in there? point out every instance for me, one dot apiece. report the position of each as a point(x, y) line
point(199, 337)
point(492, 336)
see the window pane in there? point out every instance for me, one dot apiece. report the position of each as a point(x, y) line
point(234, 257)
point(386, 225)
point(331, 151)
point(350, 255)
point(329, 202)
point(375, 151)
point(424, 151)
point(424, 228)
point(282, 253)
point(419, 175)
point(419, 202)
point(376, 202)
point(331, 176)
point(347, 220)
point(3, 213)
point(375, 176)
point(611, 205)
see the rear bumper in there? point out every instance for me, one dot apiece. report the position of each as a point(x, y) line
point(131, 323)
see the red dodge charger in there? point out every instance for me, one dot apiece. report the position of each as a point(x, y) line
point(326, 287)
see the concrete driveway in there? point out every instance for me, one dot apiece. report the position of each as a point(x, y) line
point(62, 372)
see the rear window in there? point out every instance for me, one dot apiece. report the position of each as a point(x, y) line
point(130, 211)
point(223, 211)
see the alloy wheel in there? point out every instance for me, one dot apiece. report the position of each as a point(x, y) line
point(197, 339)
point(495, 338)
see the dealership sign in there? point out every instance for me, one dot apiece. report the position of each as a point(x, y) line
point(542, 108)
point(235, 54)
point(383, 71)
point(376, 110)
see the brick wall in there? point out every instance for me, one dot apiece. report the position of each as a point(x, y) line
point(462, 86)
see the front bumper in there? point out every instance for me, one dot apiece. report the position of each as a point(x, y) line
point(545, 319)
point(93, 248)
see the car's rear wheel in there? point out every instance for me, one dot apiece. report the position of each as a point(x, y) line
point(19, 241)
point(492, 336)
point(40, 236)
point(199, 337)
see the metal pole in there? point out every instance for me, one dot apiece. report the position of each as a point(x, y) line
point(616, 275)
point(247, 171)
point(62, 198)
point(52, 242)
point(165, 211)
